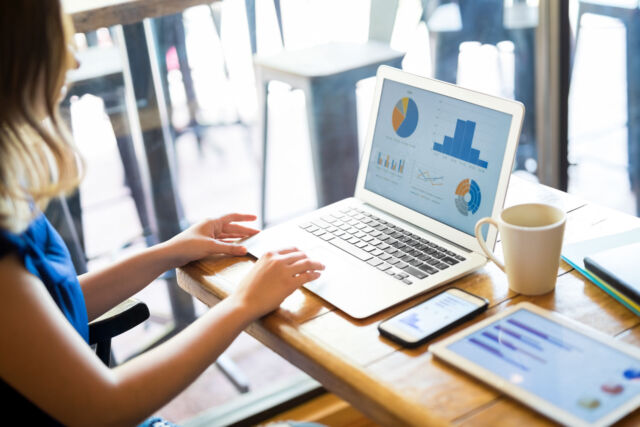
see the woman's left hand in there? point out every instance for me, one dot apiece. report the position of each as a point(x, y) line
point(210, 237)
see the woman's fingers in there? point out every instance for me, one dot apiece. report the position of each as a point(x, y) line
point(305, 264)
point(307, 276)
point(298, 261)
point(234, 217)
point(219, 247)
point(288, 250)
point(239, 230)
point(230, 236)
point(292, 257)
point(299, 266)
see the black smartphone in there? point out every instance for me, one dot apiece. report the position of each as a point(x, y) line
point(432, 317)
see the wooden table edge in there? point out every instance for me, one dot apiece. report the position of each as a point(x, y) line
point(90, 17)
point(309, 356)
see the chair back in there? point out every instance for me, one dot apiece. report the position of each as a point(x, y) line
point(59, 214)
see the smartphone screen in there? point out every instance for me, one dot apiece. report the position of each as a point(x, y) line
point(444, 310)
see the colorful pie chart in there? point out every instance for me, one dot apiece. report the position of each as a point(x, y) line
point(405, 117)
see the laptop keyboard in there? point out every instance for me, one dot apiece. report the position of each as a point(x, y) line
point(382, 245)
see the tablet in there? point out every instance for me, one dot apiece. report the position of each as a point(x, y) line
point(561, 368)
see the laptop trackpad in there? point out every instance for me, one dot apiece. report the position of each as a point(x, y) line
point(334, 267)
point(342, 280)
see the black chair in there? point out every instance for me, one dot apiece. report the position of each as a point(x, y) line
point(116, 321)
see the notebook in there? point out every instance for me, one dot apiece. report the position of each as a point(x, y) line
point(575, 254)
point(619, 268)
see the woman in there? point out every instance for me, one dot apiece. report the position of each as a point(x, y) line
point(48, 372)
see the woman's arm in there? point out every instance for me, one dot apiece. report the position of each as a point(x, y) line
point(107, 287)
point(53, 367)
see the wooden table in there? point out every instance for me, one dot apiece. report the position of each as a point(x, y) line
point(395, 386)
point(89, 15)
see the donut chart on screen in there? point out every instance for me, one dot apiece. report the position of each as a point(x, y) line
point(405, 117)
point(468, 196)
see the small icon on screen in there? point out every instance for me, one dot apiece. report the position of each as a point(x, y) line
point(589, 402)
point(612, 388)
point(632, 374)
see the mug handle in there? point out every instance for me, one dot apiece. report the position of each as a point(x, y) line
point(483, 244)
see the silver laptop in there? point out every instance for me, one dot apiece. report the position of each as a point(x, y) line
point(436, 159)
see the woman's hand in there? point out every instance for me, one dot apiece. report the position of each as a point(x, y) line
point(209, 237)
point(273, 278)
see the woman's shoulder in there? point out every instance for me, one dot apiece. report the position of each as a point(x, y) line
point(35, 238)
point(12, 268)
point(38, 256)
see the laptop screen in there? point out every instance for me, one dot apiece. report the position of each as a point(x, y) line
point(437, 155)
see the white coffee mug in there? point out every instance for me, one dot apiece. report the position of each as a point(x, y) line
point(532, 242)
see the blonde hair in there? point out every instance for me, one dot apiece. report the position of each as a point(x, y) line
point(37, 158)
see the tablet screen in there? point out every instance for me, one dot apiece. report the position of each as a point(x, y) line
point(572, 371)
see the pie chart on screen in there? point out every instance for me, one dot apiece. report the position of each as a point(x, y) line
point(405, 117)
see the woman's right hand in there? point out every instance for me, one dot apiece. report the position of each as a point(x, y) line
point(274, 277)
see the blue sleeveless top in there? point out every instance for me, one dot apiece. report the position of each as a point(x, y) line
point(43, 253)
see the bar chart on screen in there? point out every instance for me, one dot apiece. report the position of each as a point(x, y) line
point(459, 146)
point(390, 164)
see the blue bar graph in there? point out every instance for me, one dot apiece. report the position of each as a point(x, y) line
point(512, 346)
point(520, 337)
point(411, 320)
point(553, 340)
point(460, 145)
point(497, 353)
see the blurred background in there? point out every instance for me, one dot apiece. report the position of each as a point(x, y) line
point(212, 96)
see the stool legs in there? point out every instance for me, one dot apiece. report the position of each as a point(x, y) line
point(263, 102)
point(133, 180)
point(121, 120)
point(333, 133)
point(524, 83)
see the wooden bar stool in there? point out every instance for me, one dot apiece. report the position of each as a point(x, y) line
point(327, 74)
